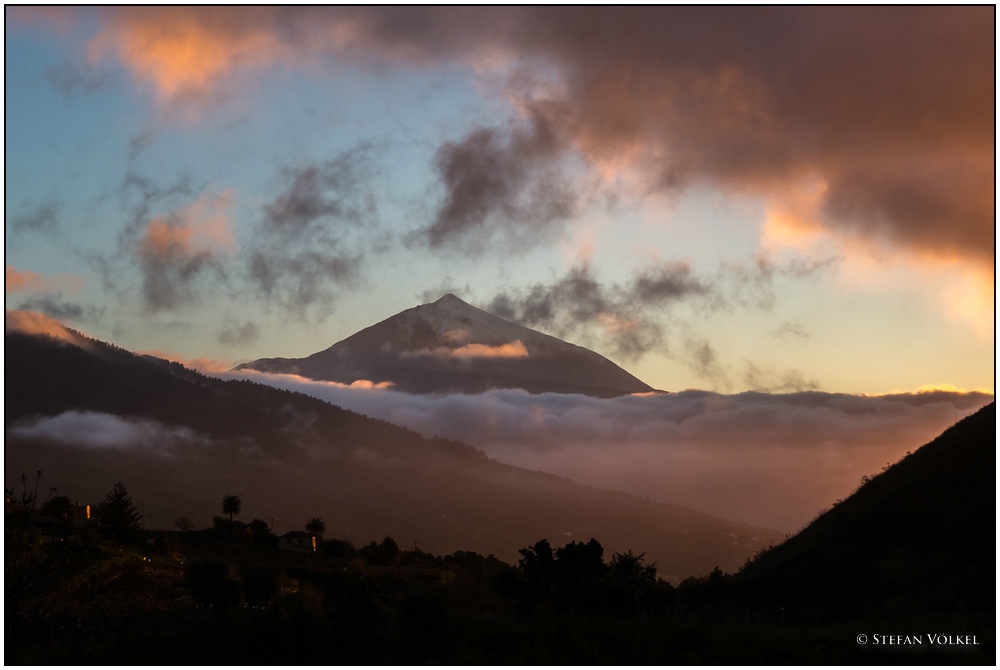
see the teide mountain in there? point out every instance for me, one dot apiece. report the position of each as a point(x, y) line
point(449, 345)
point(88, 415)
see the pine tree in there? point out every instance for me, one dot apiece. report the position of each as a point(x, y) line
point(118, 517)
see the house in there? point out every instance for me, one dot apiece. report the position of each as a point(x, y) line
point(297, 540)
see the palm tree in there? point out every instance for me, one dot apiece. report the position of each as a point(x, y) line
point(231, 505)
point(316, 526)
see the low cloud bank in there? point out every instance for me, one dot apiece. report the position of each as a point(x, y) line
point(768, 460)
point(95, 430)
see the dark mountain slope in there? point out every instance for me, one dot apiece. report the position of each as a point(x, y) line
point(451, 346)
point(917, 539)
point(291, 457)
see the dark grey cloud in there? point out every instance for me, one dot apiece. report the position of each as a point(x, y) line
point(790, 330)
point(171, 265)
point(502, 186)
point(769, 380)
point(168, 281)
point(634, 316)
point(38, 218)
point(53, 304)
point(139, 194)
point(752, 283)
point(702, 359)
point(446, 286)
point(239, 334)
point(310, 240)
point(72, 79)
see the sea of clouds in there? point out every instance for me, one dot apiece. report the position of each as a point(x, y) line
point(772, 460)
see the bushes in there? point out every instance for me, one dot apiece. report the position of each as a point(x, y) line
point(386, 553)
point(575, 577)
point(212, 586)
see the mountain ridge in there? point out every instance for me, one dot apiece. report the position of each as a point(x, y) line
point(292, 456)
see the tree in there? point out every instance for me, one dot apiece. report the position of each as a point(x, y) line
point(258, 527)
point(184, 524)
point(118, 517)
point(231, 505)
point(316, 526)
point(59, 508)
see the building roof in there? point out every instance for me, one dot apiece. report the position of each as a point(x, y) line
point(295, 533)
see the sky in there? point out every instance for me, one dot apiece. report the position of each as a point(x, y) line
point(774, 199)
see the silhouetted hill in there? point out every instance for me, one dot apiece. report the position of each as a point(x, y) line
point(88, 417)
point(916, 540)
point(451, 346)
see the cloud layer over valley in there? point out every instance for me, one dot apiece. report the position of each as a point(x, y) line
point(767, 460)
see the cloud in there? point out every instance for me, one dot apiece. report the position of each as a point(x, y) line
point(791, 330)
point(702, 359)
point(93, 430)
point(34, 323)
point(768, 380)
point(177, 247)
point(446, 286)
point(18, 281)
point(55, 306)
point(763, 459)
point(514, 349)
point(42, 218)
point(59, 19)
point(189, 54)
point(72, 79)
point(629, 315)
point(303, 248)
point(886, 107)
point(578, 300)
point(239, 334)
point(502, 182)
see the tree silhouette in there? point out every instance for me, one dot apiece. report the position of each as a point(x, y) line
point(316, 526)
point(184, 524)
point(231, 505)
point(118, 517)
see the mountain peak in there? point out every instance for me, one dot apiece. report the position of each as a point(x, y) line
point(449, 299)
point(449, 345)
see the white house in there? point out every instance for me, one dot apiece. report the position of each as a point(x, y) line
point(297, 540)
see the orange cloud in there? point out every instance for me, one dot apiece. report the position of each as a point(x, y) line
point(510, 350)
point(200, 227)
point(190, 50)
point(17, 281)
point(34, 323)
point(203, 365)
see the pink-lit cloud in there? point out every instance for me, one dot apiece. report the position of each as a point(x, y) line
point(19, 281)
point(35, 323)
